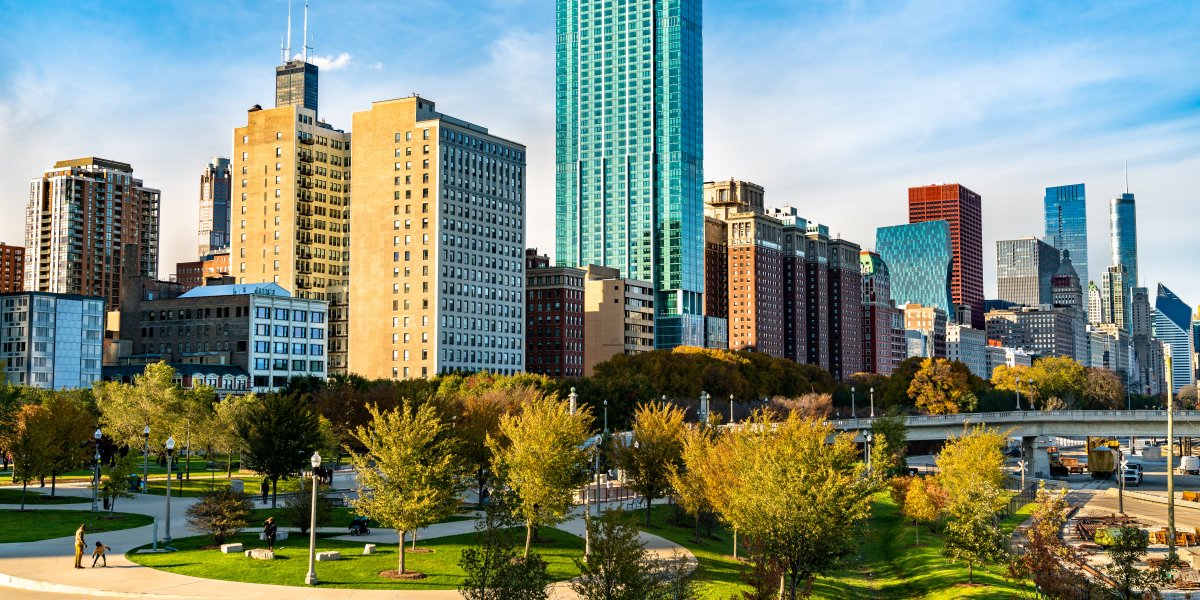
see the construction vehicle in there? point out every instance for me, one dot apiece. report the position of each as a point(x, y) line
point(1060, 466)
point(1102, 457)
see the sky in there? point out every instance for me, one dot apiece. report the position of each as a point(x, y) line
point(835, 107)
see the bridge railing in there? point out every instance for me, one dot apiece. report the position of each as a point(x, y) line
point(1020, 416)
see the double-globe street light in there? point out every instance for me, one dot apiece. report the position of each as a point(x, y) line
point(311, 578)
point(170, 451)
point(145, 458)
point(96, 473)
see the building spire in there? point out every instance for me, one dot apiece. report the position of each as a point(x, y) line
point(1126, 176)
point(306, 47)
point(287, 49)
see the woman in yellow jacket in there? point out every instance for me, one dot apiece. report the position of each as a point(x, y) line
point(80, 545)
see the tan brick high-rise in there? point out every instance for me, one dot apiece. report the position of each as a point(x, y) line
point(439, 228)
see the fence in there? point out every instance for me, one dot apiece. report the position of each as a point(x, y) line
point(604, 492)
point(1020, 498)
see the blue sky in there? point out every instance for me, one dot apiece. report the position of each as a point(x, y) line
point(834, 107)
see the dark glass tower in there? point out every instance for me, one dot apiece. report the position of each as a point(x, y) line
point(629, 173)
point(1066, 224)
point(296, 84)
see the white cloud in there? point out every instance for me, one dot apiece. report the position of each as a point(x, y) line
point(330, 62)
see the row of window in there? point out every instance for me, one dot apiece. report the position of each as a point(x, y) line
point(284, 314)
point(313, 333)
point(295, 348)
point(281, 364)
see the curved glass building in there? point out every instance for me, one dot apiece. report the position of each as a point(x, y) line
point(920, 260)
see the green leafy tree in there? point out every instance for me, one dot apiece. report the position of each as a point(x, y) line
point(28, 441)
point(692, 479)
point(297, 508)
point(941, 389)
point(921, 503)
point(279, 434)
point(1060, 382)
point(655, 450)
point(1129, 547)
point(618, 567)
point(889, 444)
point(1104, 389)
point(408, 475)
point(538, 455)
point(972, 473)
point(114, 482)
point(224, 436)
point(480, 409)
point(152, 399)
point(71, 439)
point(973, 534)
point(220, 514)
point(492, 568)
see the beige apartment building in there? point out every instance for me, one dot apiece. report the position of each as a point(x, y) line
point(291, 210)
point(439, 230)
point(618, 316)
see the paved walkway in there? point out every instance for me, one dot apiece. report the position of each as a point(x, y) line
point(41, 567)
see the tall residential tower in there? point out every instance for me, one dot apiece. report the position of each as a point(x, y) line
point(214, 207)
point(629, 162)
point(1066, 224)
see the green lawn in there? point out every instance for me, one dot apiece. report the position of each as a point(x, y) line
point(34, 496)
point(889, 564)
point(34, 525)
point(342, 516)
point(201, 483)
point(354, 570)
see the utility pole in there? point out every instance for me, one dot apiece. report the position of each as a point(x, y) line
point(1170, 457)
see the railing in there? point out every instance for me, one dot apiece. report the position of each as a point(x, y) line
point(605, 492)
point(1033, 416)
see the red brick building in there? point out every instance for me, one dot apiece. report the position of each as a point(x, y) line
point(553, 317)
point(12, 268)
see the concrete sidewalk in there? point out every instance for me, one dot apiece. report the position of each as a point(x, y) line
point(45, 566)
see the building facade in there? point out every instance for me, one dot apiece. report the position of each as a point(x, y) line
point(920, 259)
point(999, 355)
point(845, 309)
point(930, 323)
point(629, 158)
point(883, 339)
point(1173, 327)
point(968, 346)
point(1115, 297)
point(554, 320)
point(1066, 223)
point(1024, 269)
point(1042, 330)
point(1122, 212)
point(962, 209)
point(260, 328)
point(12, 268)
point(618, 316)
point(439, 268)
point(214, 207)
point(225, 380)
point(83, 215)
point(51, 341)
point(212, 269)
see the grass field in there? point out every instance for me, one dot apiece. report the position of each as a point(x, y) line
point(354, 570)
point(34, 525)
point(33, 496)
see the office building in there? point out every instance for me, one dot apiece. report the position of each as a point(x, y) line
point(920, 259)
point(629, 151)
point(51, 341)
point(882, 327)
point(845, 309)
point(554, 321)
point(1066, 223)
point(1024, 268)
point(291, 201)
point(214, 207)
point(962, 209)
point(997, 355)
point(82, 216)
point(1110, 347)
point(1115, 296)
point(12, 268)
point(793, 243)
point(1123, 230)
point(968, 346)
point(260, 328)
point(1095, 304)
point(618, 316)
point(212, 269)
point(1067, 293)
point(1042, 330)
point(439, 261)
point(1173, 327)
point(931, 323)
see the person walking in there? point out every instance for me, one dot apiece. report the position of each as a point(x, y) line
point(80, 544)
point(269, 531)
point(98, 554)
point(265, 488)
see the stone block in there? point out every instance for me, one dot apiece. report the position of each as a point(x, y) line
point(327, 556)
point(280, 535)
point(231, 549)
point(237, 486)
point(260, 554)
point(369, 549)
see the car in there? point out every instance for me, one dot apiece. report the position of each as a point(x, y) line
point(1133, 476)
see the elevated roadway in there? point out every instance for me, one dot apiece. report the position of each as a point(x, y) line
point(1054, 423)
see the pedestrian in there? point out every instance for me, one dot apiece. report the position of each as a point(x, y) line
point(80, 544)
point(98, 554)
point(265, 488)
point(269, 530)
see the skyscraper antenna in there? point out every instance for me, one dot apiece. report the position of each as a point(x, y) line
point(1126, 176)
point(287, 50)
point(305, 30)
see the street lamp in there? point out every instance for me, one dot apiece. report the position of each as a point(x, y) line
point(731, 408)
point(587, 505)
point(605, 416)
point(872, 402)
point(170, 451)
point(96, 475)
point(853, 407)
point(1018, 393)
point(868, 452)
point(573, 397)
point(145, 457)
point(311, 578)
point(704, 408)
point(1121, 460)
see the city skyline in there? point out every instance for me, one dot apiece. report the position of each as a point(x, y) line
point(1111, 98)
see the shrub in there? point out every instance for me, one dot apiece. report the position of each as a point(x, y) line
point(220, 514)
point(297, 508)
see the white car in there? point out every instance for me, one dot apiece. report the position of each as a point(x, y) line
point(1133, 476)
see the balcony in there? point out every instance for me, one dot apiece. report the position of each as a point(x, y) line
point(306, 183)
point(306, 140)
point(305, 157)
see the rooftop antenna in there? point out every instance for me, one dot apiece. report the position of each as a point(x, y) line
point(305, 30)
point(1127, 176)
point(287, 50)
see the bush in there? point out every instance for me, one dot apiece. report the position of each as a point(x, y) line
point(220, 514)
point(297, 509)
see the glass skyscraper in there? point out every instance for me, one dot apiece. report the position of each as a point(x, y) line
point(1123, 218)
point(1172, 325)
point(1066, 224)
point(629, 160)
point(920, 260)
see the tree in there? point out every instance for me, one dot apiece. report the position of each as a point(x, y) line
point(1046, 558)
point(220, 514)
point(813, 406)
point(492, 570)
point(481, 408)
point(539, 455)
point(71, 438)
point(690, 480)
point(408, 474)
point(972, 473)
point(921, 503)
point(297, 508)
point(940, 389)
point(655, 450)
point(224, 429)
point(279, 434)
point(1060, 382)
point(1129, 547)
point(1104, 389)
point(115, 480)
point(152, 399)
point(27, 441)
point(889, 444)
point(620, 569)
point(802, 499)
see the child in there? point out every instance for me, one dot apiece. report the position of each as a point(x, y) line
point(98, 554)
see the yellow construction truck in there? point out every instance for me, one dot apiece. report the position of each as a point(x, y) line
point(1101, 460)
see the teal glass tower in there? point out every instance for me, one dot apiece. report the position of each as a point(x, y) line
point(1123, 218)
point(629, 150)
point(920, 259)
point(1066, 224)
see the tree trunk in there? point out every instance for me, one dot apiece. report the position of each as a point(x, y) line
point(400, 569)
point(275, 492)
point(482, 480)
point(414, 539)
point(24, 484)
point(528, 537)
point(647, 511)
point(971, 573)
point(917, 528)
point(229, 465)
point(696, 530)
point(53, 483)
point(735, 543)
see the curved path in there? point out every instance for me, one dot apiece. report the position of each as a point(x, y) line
point(45, 566)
